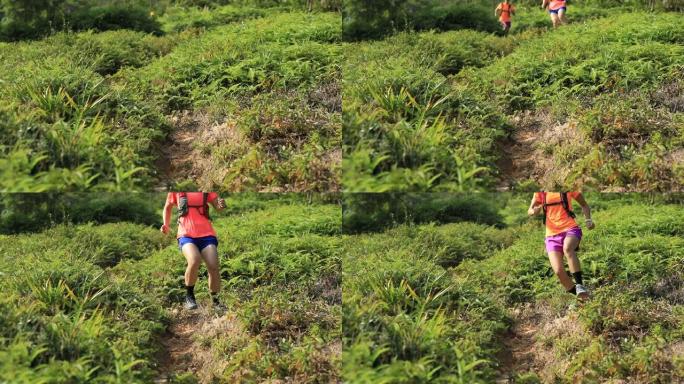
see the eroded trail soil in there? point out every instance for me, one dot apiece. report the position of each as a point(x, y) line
point(187, 152)
point(518, 355)
point(183, 350)
point(528, 347)
point(537, 150)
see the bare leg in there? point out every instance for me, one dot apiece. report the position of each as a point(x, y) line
point(556, 259)
point(570, 249)
point(194, 259)
point(210, 256)
point(555, 20)
point(561, 16)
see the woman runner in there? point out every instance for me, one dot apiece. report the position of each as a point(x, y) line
point(563, 235)
point(196, 239)
point(556, 9)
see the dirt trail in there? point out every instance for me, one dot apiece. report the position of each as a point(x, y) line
point(178, 343)
point(183, 350)
point(529, 152)
point(176, 155)
point(518, 355)
point(186, 154)
point(517, 160)
point(528, 347)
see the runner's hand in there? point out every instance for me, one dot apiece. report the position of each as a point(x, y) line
point(590, 223)
point(164, 229)
point(221, 203)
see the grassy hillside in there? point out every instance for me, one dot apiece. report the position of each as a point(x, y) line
point(595, 103)
point(470, 303)
point(235, 98)
point(100, 303)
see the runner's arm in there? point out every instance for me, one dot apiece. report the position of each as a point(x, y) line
point(167, 217)
point(586, 211)
point(219, 204)
point(534, 207)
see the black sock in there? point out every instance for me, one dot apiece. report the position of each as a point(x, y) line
point(578, 277)
point(572, 290)
point(190, 291)
point(214, 297)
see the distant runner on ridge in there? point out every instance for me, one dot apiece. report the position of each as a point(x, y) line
point(504, 10)
point(196, 239)
point(556, 9)
point(563, 235)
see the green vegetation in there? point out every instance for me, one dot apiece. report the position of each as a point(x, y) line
point(93, 302)
point(596, 102)
point(233, 97)
point(456, 302)
point(369, 19)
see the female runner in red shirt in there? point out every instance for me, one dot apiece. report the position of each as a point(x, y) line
point(196, 239)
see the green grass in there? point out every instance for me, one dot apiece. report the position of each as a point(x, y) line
point(436, 303)
point(89, 303)
point(96, 110)
point(433, 111)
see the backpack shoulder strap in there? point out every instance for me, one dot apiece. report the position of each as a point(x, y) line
point(543, 198)
point(205, 204)
point(566, 204)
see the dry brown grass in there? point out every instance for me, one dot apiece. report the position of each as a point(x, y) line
point(185, 346)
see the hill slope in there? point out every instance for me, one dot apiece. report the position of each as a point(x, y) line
point(594, 103)
point(239, 100)
point(466, 302)
point(101, 303)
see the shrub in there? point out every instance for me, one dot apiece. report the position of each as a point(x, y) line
point(374, 212)
point(114, 16)
point(34, 212)
point(374, 19)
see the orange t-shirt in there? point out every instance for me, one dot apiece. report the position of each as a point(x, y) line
point(506, 10)
point(194, 224)
point(557, 220)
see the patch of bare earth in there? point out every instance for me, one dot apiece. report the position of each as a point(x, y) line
point(529, 344)
point(531, 152)
point(185, 155)
point(184, 350)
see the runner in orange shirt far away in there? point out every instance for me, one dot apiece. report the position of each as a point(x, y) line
point(563, 234)
point(196, 239)
point(504, 11)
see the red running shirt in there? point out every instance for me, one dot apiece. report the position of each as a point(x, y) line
point(194, 224)
point(556, 4)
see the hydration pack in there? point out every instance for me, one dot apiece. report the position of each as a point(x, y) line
point(563, 201)
point(184, 206)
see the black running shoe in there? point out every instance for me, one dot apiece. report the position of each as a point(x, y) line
point(190, 303)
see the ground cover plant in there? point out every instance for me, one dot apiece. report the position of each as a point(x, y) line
point(467, 302)
point(100, 303)
point(238, 97)
point(596, 103)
